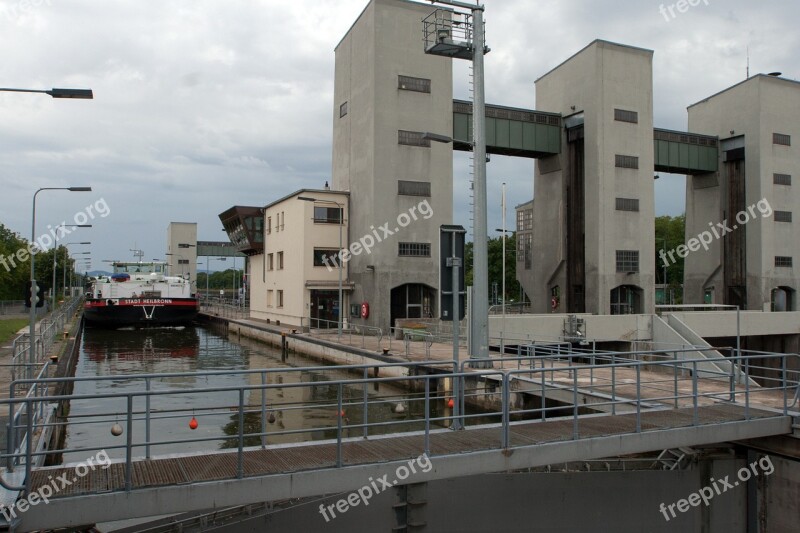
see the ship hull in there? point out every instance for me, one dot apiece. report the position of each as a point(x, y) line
point(140, 312)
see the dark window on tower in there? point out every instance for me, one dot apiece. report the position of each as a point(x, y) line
point(783, 216)
point(342, 110)
point(783, 261)
point(412, 138)
point(627, 161)
point(626, 116)
point(627, 261)
point(408, 83)
point(414, 249)
point(627, 204)
point(782, 179)
point(782, 138)
point(414, 188)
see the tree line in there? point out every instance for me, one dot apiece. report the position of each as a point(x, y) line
point(14, 274)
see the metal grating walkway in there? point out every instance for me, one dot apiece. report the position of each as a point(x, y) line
point(219, 466)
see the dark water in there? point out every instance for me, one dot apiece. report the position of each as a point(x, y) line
point(122, 353)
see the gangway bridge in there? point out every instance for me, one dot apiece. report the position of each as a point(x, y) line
point(368, 421)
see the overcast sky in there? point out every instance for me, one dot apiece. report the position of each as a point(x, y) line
point(206, 104)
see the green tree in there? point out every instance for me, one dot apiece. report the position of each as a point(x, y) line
point(670, 233)
point(495, 260)
point(13, 273)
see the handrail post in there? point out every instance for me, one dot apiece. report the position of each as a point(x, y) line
point(147, 418)
point(427, 415)
point(129, 446)
point(733, 380)
point(240, 453)
point(694, 394)
point(544, 395)
point(746, 387)
point(574, 404)
point(675, 375)
point(638, 398)
point(785, 384)
point(506, 407)
point(613, 385)
point(28, 448)
point(339, 416)
point(365, 416)
point(263, 410)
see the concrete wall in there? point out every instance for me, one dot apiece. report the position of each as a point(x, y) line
point(368, 161)
point(601, 77)
point(182, 233)
point(555, 501)
point(755, 109)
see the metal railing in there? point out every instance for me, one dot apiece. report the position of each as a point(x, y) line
point(225, 307)
point(47, 331)
point(13, 307)
point(344, 410)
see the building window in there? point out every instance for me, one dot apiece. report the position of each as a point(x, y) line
point(269, 298)
point(627, 161)
point(269, 225)
point(782, 261)
point(420, 85)
point(282, 220)
point(414, 188)
point(327, 215)
point(627, 261)
point(783, 216)
point(414, 249)
point(627, 204)
point(183, 261)
point(782, 139)
point(782, 179)
point(342, 110)
point(528, 251)
point(325, 257)
point(412, 138)
point(280, 298)
point(280, 260)
point(269, 262)
point(524, 219)
point(622, 115)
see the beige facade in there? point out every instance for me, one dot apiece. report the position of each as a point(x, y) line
point(290, 282)
point(387, 92)
point(752, 265)
point(590, 256)
point(182, 250)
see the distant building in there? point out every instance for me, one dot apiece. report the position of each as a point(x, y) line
point(753, 195)
point(182, 250)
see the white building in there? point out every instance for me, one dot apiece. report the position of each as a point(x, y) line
point(296, 277)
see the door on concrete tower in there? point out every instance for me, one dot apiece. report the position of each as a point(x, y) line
point(413, 300)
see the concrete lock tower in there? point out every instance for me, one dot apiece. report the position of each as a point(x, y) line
point(746, 208)
point(593, 220)
point(387, 94)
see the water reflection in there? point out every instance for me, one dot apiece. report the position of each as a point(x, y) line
point(193, 349)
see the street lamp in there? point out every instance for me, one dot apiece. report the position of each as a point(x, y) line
point(341, 224)
point(66, 257)
point(34, 289)
point(79, 94)
point(55, 254)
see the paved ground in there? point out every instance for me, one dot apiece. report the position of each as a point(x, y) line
point(657, 386)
